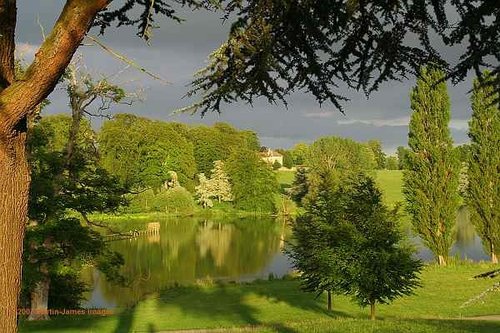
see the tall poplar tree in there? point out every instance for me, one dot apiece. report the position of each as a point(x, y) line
point(483, 192)
point(431, 180)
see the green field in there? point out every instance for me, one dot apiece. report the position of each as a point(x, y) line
point(390, 183)
point(280, 306)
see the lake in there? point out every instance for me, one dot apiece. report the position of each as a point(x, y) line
point(193, 250)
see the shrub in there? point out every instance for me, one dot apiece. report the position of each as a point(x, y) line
point(177, 200)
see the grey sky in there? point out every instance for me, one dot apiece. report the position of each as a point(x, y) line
point(178, 50)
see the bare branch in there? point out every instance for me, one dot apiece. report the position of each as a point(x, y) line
point(125, 59)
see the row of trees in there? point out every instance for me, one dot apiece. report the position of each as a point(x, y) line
point(145, 154)
point(301, 154)
point(141, 152)
point(433, 166)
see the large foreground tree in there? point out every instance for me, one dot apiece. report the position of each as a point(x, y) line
point(274, 48)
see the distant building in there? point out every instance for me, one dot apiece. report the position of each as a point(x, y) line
point(270, 156)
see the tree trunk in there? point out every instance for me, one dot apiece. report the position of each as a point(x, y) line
point(329, 296)
point(494, 258)
point(40, 297)
point(372, 310)
point(14, 189)
point(441, 260)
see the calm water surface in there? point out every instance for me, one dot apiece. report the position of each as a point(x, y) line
point(191, 250)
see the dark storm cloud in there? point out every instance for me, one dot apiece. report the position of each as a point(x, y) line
point(178, 50)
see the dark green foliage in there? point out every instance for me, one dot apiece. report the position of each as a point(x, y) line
point(90, 188)
point(381, 267)
point(320, 239)
point(66, 290)
point(253, 182)
point(483, 190)
point(376, 148)
point(276, 165)
point(300, 186)
point(431, 181)
point(348, 242)
point(463, 152)
point(277, 47)
point(56, 243)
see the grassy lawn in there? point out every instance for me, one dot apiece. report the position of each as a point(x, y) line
point(279, 306)
point(285, 178)
point(390, 183)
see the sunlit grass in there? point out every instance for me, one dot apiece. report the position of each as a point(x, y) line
point(280, 306)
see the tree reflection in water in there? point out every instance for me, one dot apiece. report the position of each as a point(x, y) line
point(187, 250)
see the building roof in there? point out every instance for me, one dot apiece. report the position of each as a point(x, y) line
point(270, 153)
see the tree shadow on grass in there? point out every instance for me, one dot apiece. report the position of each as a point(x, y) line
point(229, 305)
point(125, 320)
point(61, 324)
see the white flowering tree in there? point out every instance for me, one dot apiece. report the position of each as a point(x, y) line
point(217, 187)
point(220, 183)
point(203, 191)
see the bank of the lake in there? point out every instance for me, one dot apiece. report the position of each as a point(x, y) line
point(280, 306)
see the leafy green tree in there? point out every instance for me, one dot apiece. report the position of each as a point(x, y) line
point(391, 163)
point(376, 148)
point(142, 153)
point(348, 242)
point(176, 200)
point(483, 190)
point(253, 182)
point(299, 153)
point(300, 186)
point(63, 183)
point(319, 244)
point(381, 268)
point(402, 153)
point(287, 158)
point(276, 165)
point(336, 154)
point(216, 143)
point(431, 181)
